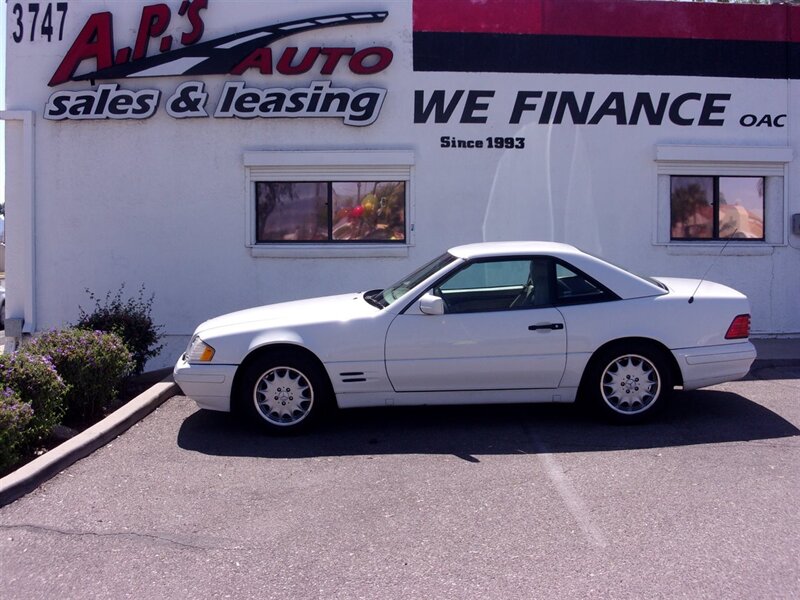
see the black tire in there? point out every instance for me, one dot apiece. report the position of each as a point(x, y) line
point(284, 392)
point(628, 383)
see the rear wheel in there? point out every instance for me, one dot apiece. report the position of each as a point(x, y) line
point(629, 383)
point(284, 393)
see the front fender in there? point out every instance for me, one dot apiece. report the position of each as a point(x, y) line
point(277, 336)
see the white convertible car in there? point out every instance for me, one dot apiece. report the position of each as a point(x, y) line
point(493, 322)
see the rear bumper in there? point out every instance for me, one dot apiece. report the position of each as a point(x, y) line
point(208, 385)
point(710, 365)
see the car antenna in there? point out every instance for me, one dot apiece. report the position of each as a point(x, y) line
point(713, 262)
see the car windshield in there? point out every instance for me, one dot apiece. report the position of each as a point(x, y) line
point(388, 295)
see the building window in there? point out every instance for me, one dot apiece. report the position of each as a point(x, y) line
point(330, 211)
point(329, 203)
point(708, 195)
point(713, 208)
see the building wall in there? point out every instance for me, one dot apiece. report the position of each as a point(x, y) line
point(164, 202)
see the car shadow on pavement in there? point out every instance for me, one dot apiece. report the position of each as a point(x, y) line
point(699, 417)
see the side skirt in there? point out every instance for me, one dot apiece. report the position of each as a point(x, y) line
point(366, 399)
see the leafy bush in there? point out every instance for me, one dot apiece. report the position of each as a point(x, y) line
point(35, 380)
point(14, 418)
point(91, 363)
point(130, 319)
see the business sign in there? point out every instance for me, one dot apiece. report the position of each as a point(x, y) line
point(232, 55)
point(600, 37)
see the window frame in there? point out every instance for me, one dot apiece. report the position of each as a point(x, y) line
point(715, 206)
point(607, 295)
point(770, 162)
point(329, 210)
point(472, 262)
point(328, 166)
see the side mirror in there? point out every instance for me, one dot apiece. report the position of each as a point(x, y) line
point(431, 305)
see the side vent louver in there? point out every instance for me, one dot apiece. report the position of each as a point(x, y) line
point(352, 377)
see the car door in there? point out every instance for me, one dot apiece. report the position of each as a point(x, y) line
point(498, 332)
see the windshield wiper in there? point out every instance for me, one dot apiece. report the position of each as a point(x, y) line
point(374, 297)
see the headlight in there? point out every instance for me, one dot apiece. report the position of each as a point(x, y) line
point(199, 351)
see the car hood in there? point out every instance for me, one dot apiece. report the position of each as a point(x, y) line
point(343, 307)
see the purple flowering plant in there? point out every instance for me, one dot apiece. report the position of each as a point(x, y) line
point(93, 364)
point(39, 386)
point(14, 418)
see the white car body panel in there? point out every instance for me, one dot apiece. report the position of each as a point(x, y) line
point(398, 355)
point(476, 351)
point(301, 322)
point(460, 397)
point(208, 385)
point(709, 365)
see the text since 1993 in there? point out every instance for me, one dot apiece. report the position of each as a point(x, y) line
point(492, 142)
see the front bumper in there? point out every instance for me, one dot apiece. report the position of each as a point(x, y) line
point(709, 365)
point(208, 385)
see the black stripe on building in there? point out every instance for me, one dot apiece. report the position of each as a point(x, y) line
point(506, 53)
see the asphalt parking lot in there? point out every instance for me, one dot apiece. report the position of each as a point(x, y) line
point(477, 502)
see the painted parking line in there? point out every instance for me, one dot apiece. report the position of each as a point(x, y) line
point(572, 499)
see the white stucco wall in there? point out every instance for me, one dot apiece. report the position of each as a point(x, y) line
point(163, 202)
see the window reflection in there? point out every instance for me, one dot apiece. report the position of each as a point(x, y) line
point(325, 211)
point(710, 207)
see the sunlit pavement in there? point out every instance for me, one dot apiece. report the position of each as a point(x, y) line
point(498, 502)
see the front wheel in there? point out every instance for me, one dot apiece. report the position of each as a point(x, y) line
point(630, 383)
point(284, 394)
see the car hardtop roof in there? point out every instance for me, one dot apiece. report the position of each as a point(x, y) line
point(622, 282)
point(485, 249)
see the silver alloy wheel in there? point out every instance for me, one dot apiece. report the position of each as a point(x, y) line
point(630, 384)
point(283, 396)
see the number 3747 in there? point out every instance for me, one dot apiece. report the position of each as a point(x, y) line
point(43, 20)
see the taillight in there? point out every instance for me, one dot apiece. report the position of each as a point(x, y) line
point(740, 328)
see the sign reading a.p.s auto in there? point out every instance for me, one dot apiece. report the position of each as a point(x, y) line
point(183, 53)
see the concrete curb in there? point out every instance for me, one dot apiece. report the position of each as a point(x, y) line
point(776, 353)
point(774, 363)
point(36, 472)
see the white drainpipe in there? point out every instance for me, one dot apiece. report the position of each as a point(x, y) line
point(21, 216)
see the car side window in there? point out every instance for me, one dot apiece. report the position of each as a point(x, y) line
point(575, 288)
point(495, 285)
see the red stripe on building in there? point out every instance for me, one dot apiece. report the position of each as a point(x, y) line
point(612, 18)
point(478, 16)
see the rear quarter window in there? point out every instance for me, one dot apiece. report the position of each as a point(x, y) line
point(573, 287)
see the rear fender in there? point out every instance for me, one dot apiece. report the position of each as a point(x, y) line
point(621, 344)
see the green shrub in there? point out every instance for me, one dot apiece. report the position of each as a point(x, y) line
point(14, 418)
point(36, 381)
point(130, 319)
point(91, 363)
